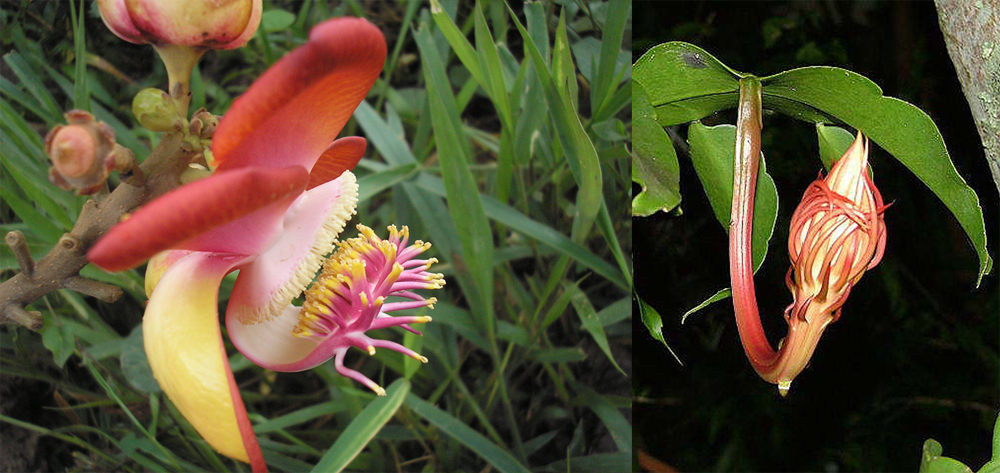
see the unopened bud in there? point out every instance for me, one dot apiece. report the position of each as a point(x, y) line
point(80, 152)
point(155, 110)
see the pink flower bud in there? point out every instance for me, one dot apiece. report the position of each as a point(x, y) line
point(837, 233)
point(80, 152)
point(209, 24)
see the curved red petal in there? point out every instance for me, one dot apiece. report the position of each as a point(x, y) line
point(342, 155)
point(292, 112)
point(192, 210)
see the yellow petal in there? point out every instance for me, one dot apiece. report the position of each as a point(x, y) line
point(185, 350)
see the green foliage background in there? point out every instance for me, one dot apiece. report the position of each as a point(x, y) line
point(505, 147)
point(915, 354)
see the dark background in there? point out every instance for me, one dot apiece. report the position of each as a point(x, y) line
point(915, 355)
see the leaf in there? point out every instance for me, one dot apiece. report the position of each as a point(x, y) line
point(902, 129)
point(135, 365)
point(455, 153)
point(611, 417)
point(588, 317)
point(684, 83)
point(361, 430)
point(712, 151)
point(932, 462)
point(58, 338)
point(654, 161)
point(833, 142)
point(718, 296)
point(276, 20)
point(579, 150)
point(456, 429)
point(654, 323)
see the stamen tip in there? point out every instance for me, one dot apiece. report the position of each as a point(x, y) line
point(379, 391)
point(371, 350)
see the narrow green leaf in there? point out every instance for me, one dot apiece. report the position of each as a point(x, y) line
point(81, 96)
point(49, 111)
point(361, 430)
point(684, 83)
point(373, 184)
point(902, 129)
point(718, 296)
point(559, 355)
point(454, 151)
point(579, 150)
point(712, 151)
point(654, 323)
point(389, 144)
point(654, 160)
point(456, 429)
point(540, 232)
point(611, 417)
point(596, 463)
point(492, 70)
point(611, 44)
point(588, 317)
point(459, 44)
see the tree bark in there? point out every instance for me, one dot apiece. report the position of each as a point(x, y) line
point(972, 33)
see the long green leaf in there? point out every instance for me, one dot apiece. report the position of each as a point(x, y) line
point(611, 44)
point(591, 322)
point(902, 129)
point(456, 429)
point(361, 430)
point(540, 232)
point(454, 151)
point(579, 150)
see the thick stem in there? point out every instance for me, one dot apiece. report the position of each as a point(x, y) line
point(745, 166)
point(179, 61)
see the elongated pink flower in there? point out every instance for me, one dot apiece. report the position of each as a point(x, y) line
point(278, 198)
point(837, 233)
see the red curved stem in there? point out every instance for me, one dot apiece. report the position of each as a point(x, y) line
point(747, 160)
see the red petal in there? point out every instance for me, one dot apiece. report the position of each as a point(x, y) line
point(292, 112)
point(192, 210)
point(342, 155)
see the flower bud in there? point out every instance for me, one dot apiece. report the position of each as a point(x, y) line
point(208, 24)
point(837, 233)
point(80, 152)
point(155, 110)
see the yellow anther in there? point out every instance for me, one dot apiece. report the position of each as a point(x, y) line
point(379, 301)
point(364, 298)
point(425, 319)
point(378, 390)
point(371, 350)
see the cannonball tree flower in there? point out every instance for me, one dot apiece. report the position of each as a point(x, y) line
point(182, 30)
point(279, 195)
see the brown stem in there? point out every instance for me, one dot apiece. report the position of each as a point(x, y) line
point(19, 245)
point(60, 268)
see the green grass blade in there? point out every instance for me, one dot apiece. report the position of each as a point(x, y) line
point(81, 96)
point(580, 152)
point(591, 322)
point(361, 430)
point(454, 151)
point(540, 232)
point(611, 44)
point(493, 454)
